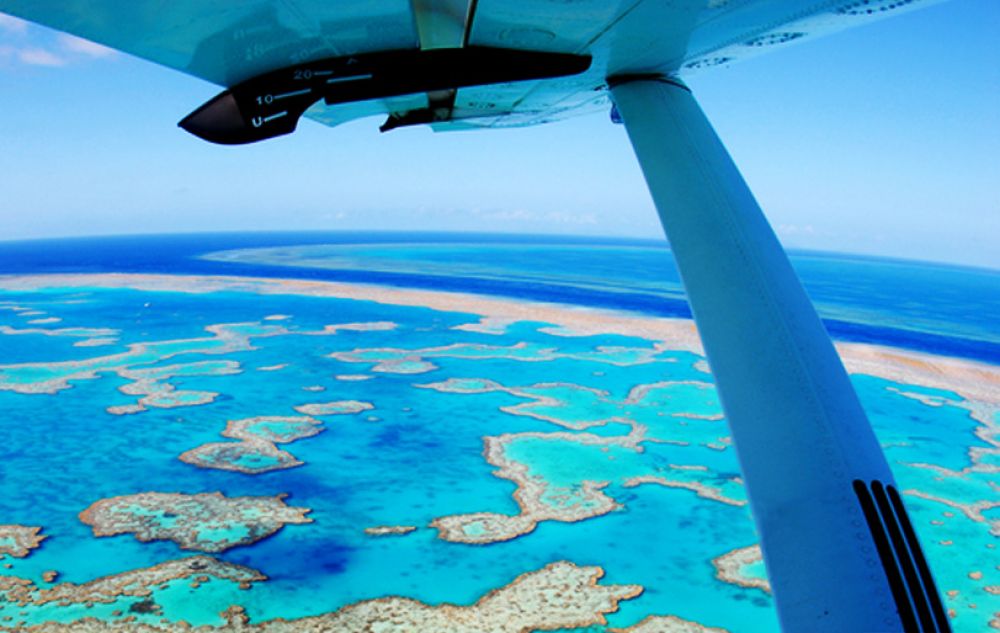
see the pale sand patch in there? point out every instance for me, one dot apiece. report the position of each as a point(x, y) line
point(729, 566)
point(197, 518)
point(126, 409)
point(977, 382)
point(974, 381)
point(230, 336)
point(486, 325)
point(66, 331)
point(229, 340)
point(972, 510)
point(338, 407)
point(668, 624)
point(373, 326)
point(153, 385)
point(19, 540)
point(408, 365)
point(258, 438)
point(532, 400)
point(389, 530)
point(107, 589)
point(95, 342)
point(702, 490)
point(680, 333)
point(930, 401)
point(534, 494)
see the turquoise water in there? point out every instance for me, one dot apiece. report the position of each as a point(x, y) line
point(418, 456)
point(913, 304)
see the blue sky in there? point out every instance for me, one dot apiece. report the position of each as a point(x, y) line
point(879, 140)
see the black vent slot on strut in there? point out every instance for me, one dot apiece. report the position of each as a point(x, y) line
point(913, 590)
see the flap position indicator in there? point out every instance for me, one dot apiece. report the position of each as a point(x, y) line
point(270, 105)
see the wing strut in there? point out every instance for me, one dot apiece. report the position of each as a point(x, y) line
point(840, 551)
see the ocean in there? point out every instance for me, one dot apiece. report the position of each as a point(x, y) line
point(949, 310)
point(485, 447)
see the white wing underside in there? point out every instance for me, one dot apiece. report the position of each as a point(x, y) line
point(232, 41)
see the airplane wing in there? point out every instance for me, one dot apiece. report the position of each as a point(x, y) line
point(231, 42)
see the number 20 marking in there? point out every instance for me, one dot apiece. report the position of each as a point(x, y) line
point(303, 74)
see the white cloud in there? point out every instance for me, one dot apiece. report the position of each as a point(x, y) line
point(11, 24)
point(525, 217)
point(508, 215)
point(25, 43)
point(39, 57)
point(85, 47)
point(565, 217)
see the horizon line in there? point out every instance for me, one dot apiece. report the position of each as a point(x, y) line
point(512, 237)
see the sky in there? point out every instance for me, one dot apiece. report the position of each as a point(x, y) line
point(880, 140)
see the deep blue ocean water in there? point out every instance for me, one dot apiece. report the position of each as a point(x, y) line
point(421, 456)
point(948, 310)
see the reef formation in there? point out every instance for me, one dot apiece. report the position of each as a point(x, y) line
point(208, 522)
point(255, 451)
point(560, 595)
point(18, 540)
